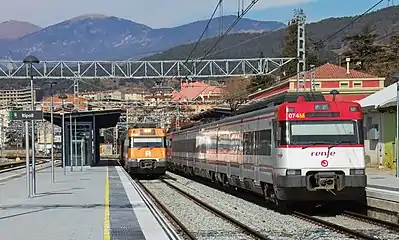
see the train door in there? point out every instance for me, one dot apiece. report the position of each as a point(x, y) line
point(275, 138)
point(218, 144)
point(258, 157)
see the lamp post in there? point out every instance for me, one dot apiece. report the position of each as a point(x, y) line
point(30, 60)
point(52, 129)
point(63, 97)
point(76, 141)
point(70, 106)
point(396, 76)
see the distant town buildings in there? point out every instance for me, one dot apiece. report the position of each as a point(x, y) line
point(16, 97)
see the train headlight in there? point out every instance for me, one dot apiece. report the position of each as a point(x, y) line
point(357, 172)
point(354, 109)
point(293, 172)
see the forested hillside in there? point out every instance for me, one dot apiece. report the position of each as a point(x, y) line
point(245, 45)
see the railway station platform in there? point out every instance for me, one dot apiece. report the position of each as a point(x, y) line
point(383, 180)
point(96, 203)
point(382, 194)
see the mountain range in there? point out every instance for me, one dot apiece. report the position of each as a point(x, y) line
point(100, 37)
point(331, 31)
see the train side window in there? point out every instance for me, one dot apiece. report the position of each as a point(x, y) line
point(246, 143)
point(257, 143)
point(192, 145)
point(265, 142)
point(249, 143)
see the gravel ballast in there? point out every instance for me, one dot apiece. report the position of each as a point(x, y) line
point(268, 222)
point(364, 227)
point(199, 221)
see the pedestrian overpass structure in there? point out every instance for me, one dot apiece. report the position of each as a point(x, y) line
point(216, 68)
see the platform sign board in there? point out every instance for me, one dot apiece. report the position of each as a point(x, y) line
point(25, 115)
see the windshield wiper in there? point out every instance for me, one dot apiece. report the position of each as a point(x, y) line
point(316, 143)
point(338, 143)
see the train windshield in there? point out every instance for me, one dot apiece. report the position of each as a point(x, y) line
point(321, 132)
point(147, 142)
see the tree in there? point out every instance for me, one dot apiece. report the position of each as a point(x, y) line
point(290, 48)
point(235, 92)
point(261, 82)
point(361, 49)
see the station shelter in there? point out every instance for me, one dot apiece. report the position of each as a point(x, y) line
point(84, 139)
point(380, 125)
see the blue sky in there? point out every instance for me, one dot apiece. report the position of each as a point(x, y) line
point(168, 13)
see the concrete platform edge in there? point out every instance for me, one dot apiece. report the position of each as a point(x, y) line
point(151, 213)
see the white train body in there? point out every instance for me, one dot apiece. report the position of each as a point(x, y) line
point(247, 151)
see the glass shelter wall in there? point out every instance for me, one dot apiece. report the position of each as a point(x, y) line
point(80, 143)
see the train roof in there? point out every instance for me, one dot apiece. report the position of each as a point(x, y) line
point(144, 125)
point(287, 97)
point(216, 114)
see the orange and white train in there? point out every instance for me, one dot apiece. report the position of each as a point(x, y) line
point(144, 151)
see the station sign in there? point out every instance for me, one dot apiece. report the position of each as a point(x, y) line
point(25, 115)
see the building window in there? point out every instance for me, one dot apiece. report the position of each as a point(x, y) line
point(317, 85)
point(357, 84)
point(344, 84)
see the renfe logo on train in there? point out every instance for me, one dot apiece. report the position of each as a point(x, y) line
point(323, 154)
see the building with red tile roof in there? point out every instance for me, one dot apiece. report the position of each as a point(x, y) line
point(196, 91)
point(83, 103)
point(352, 85)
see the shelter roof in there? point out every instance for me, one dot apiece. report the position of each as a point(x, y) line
point(215, 113)
point(382, 98)
point(102, 118)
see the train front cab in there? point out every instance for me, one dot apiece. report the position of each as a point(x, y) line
point(321, 156)
point(146, 152)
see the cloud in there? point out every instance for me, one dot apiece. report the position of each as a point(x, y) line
point(155, 13)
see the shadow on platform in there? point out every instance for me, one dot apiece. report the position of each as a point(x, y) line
point(107, 162)
point(34, 208)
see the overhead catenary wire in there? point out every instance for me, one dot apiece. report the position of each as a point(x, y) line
point(204, 31)
point(320, 43)
point(245, 11)
point(332, 35)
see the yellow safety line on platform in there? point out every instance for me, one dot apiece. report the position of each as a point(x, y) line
point(107, 235)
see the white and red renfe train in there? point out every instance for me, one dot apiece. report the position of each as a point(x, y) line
point(303, 151)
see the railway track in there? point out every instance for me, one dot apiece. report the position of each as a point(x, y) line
point(12, 166)
point(187, 233)
point(348, 223)
point(224, 217)
point(337, 223)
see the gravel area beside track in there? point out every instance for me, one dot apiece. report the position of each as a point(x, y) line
point(268, 222)
point(202, 223)
point(364, 227)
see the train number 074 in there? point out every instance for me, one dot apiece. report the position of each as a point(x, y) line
point(296, 115)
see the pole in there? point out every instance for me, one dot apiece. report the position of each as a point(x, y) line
point(70, 139)
point(76, 146)
point(52, 133)
point(397, 129)
point(82, 152)
point(28, 182)
point(33, 134)
point(63, 140)
point(2, 138)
